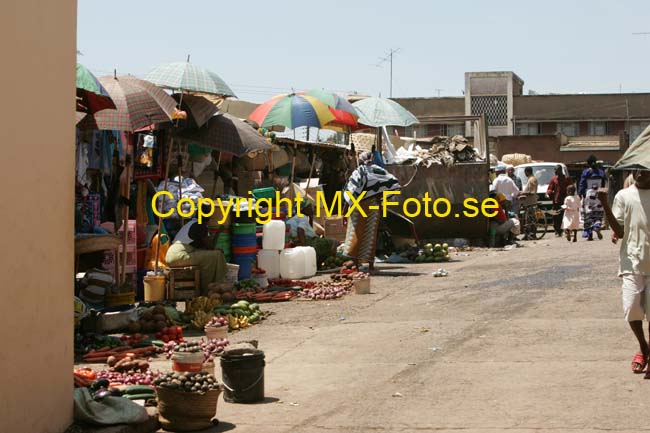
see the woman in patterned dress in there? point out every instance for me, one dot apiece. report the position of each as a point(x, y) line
point(361, 237)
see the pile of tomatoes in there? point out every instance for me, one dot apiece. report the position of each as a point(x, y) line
point(172, 333)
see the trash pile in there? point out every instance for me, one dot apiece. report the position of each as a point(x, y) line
point(446, 151)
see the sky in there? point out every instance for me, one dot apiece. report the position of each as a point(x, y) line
point(262, 48)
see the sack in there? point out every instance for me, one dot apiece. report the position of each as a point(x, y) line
point(108, 411)
point(185, 411)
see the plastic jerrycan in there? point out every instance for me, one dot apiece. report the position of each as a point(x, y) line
point(292, 263)
point(273, 235)
point(311, 265)
point(269, 260)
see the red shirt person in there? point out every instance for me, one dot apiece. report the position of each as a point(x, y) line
point(557, 192)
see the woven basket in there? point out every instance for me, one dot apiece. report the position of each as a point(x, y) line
point(115, 299)
point(185, 411)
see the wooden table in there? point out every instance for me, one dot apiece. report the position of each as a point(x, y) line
point(91, 243)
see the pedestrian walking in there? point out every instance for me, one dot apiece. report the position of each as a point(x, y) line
point(628, 218)
point(557, 191)
point(363, 225)
point(571, 217)
point(593, 215)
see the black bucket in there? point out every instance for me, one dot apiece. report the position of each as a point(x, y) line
point(243, 378)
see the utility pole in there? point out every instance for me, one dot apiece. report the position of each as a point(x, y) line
point(389, 58)
point(438, 91)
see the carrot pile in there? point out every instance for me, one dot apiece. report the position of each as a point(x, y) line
point(101, 355)
point(83, 377)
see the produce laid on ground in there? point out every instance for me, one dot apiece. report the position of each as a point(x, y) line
point(223, 292)
point(188, 382)
point(428, 254)
point(103, 354)
point(83, 377)
point(116, 378)
point(240, 314)
point(348, 267)
point(152, 320)
point(349, 276)
point(331, 262)
point(172, 333)
point(128, 364)
point(328, 289)
point(86, 343)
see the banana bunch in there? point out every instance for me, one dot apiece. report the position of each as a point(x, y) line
point(202, 303)
point(201, 318)
point(237, 322)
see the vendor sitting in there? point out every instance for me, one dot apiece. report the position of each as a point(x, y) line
point(302, 233)
point(504, 225)
point(192, 247)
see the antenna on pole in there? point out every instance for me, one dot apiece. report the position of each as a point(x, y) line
point(389, 58)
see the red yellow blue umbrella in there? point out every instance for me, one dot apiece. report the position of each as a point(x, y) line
point(344, 113)
point(292, 111)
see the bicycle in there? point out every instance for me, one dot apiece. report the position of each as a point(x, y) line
point(532, 219)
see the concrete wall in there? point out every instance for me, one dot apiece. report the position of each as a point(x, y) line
point(547, 148)
point(36, 214)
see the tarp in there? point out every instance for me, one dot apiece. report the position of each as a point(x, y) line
point(637, 155)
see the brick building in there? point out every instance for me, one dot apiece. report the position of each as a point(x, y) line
point(559, 128)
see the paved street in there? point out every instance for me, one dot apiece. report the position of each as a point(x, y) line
point(525, 340)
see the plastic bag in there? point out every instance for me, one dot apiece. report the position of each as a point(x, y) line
point(108, 411)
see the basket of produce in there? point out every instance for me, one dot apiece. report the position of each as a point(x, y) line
point(187, 357)
point(216, 328)
point(187, 401)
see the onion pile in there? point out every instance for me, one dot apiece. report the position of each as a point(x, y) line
point(327, 290)
point(213, 348)
point(217, 322)
point(146, 378)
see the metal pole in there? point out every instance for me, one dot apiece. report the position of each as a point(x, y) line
point(391, 73)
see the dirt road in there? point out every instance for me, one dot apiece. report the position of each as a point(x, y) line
point(525, 340)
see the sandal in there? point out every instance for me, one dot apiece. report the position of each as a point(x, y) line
point(639, 363)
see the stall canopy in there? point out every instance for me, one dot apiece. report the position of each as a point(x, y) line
point(378, 112)
point(139, 103)
point(200, 108)
point(189, 77)
point(637, 155)
point(91, 95)
point(226, 133)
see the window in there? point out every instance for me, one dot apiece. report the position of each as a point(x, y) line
point(570, 129)
point(495, 109)
point(597, 128)
point(420, 130)
point(452, 129)
point(637, 129)
point(527, 128)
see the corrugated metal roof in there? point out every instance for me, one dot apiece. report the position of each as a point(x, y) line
point(424, 107)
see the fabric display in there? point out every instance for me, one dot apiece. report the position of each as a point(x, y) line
point(189, 189)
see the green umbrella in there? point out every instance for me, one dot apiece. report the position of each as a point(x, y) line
point(188, 77)
point(637, 155)
point(91, 95)
point(378, 112)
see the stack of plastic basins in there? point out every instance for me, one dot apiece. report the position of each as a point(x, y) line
point(244, 248)
point(222, 234)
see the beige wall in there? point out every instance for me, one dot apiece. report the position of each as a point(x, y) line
point(38, 46)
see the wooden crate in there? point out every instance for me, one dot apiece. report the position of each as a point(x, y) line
point(184, 283)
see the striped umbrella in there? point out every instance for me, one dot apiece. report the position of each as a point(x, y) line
point(139, 103)
point(91, 95)
point(292, 111)
point(378, 112)
point(188, 77)
point(226, 133)
point(343, 111)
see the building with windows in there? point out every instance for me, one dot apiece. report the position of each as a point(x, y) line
point(555, 127)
